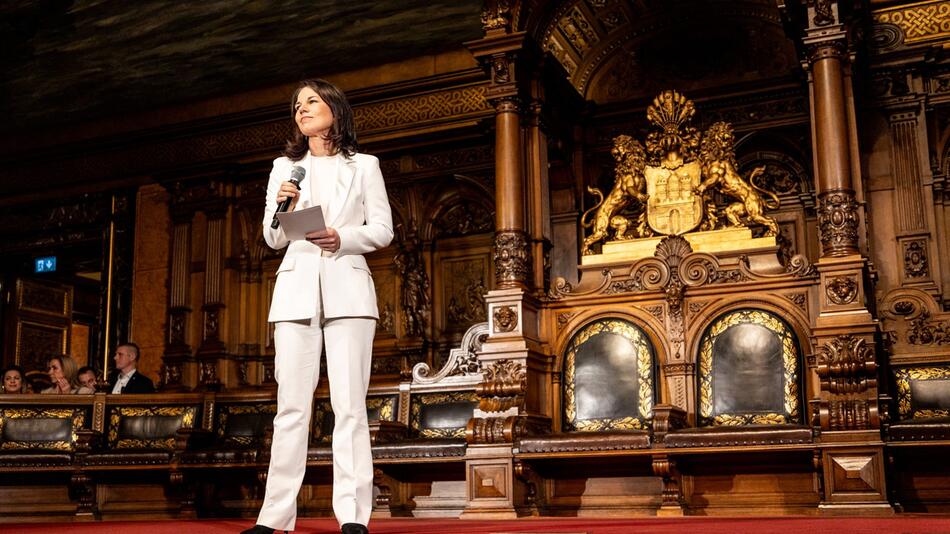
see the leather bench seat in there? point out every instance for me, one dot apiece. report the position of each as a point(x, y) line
point(921, 429)
point(737, 436)
point(585, 441)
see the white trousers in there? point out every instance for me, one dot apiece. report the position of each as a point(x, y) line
point(349, 347)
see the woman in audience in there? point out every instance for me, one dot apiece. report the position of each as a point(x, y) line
point(13, 380)
point(64, 373)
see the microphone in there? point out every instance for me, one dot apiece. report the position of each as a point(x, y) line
point(296, 176)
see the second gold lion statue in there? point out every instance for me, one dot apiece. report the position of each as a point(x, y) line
point(717, 155)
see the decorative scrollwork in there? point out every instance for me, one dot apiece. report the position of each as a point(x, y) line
point(924, 331)
point(462, 364)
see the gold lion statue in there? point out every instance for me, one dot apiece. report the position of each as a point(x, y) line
point(629, 185)
point(718, 159)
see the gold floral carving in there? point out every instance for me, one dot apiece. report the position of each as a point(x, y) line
point(920, 22)
point(789, 362)
point(427, 399)
point(903, 378)
point(644, 377)
point(76, 417)
point(226, 411)
point(187, 415)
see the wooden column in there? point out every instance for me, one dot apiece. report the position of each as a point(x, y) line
point(837, 207)
point(515, 385)
point(845, 361)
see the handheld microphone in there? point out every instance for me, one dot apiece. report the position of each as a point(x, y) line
point(296, 176)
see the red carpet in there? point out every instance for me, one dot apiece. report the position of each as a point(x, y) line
point(698, 525)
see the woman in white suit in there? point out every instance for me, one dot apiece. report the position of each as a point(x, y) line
point(324, 296)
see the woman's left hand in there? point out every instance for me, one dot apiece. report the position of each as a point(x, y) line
point(328, 240)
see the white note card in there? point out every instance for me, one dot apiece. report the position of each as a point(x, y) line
point(297, 224)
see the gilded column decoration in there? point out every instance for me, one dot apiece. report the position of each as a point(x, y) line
point(506, 318)
point(414, 297)
point(841, 290)
point(846, 369)
point(838, 223)
point(915, 259)
point(511, 257)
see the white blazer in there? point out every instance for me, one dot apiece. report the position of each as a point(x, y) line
point(356, 205)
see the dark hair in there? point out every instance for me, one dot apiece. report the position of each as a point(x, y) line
point(24, 384)
point(134, 347)
point(86, 369)
point(342, 135)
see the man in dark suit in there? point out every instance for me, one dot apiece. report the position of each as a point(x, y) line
point(125, 378)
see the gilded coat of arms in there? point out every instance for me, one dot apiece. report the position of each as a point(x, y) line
point(664, 186)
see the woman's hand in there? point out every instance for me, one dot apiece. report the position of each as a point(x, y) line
point(288, 190)
point(327, 240)
point(63, 385)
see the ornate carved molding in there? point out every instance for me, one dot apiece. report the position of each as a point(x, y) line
point(797, 299)
point(838, 223)
point(915, 259)
point(920, 22)
point(505, 319)
point(418, 109)
point(924, 331)
point(565, 317)
point(847, 370)
point(841, 290)
point(503, 387)
point(512, 257)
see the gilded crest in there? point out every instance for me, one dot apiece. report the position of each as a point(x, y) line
point(672, 172)
point(664, 186)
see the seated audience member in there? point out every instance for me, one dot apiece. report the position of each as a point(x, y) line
point(88, 377)
point(14, 381)
point(125, 378)
point(63, 372)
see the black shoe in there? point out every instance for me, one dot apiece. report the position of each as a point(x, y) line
point(353, 528)
point(259, 529)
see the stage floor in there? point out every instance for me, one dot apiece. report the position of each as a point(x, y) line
point(909, 524)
